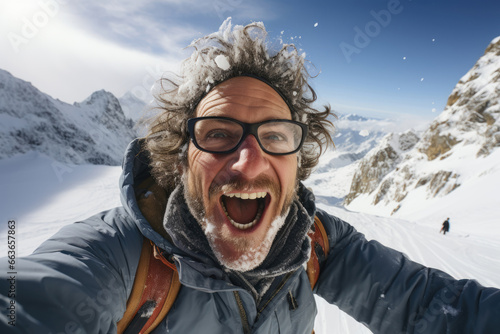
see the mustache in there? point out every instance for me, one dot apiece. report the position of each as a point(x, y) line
point(239, 183)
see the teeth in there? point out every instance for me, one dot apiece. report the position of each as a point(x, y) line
point(248, 195)
point(244, 226)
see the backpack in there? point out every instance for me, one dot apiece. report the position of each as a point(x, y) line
point(156, 283)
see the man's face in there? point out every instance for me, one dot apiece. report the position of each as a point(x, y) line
point(241, 231)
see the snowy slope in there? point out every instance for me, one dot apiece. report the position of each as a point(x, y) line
point(94, 131)
point(42, 201)
point(41, 197)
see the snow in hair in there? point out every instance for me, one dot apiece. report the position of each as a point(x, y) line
point(230, 52)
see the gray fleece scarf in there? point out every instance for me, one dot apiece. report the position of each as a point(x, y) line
point(290, 250)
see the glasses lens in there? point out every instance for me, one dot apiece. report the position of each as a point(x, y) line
point(217, 135)
point(280, 137)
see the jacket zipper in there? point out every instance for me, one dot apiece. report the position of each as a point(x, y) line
point(243, 314)
point(241, 309)
point(280, 287)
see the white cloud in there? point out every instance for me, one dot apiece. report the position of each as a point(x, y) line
point(112, 45)
point(64, 59)
point(70, 64)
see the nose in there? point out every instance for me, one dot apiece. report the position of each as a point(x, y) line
point(250, 160)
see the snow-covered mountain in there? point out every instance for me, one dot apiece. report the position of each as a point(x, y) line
point(354, 137)
point(94, 131)
point(458, 151)
point(132, 106)
point(137, 110)
point(380, 161)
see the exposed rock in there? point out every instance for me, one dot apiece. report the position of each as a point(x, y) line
point(438, 181)
point(438, 145)
point(378, 163)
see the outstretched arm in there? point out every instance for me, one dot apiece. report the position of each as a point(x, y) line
point(78, 281)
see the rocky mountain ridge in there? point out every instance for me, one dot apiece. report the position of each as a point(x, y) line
point(436, 164)
point(94, 131)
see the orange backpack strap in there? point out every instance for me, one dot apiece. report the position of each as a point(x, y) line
point(319, 250)
point(156, 286)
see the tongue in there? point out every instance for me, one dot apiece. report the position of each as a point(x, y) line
point(242, 211)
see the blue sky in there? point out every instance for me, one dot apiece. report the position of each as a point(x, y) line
point(376, 58)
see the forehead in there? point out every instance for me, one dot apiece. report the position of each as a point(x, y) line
point(244, 98)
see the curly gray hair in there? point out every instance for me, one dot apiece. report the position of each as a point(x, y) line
point(231, 52)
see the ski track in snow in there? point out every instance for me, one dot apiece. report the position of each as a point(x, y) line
point(42, 201)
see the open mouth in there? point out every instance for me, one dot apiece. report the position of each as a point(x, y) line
point(244, 210)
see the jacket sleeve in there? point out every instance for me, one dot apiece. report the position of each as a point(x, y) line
point(388, 293)
point(78, 281)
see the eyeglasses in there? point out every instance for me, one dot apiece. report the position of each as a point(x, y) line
point(224, 135)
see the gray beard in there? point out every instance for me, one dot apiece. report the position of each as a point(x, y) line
point(253, 256)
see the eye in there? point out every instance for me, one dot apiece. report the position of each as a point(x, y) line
point(275, 137)
point(216, 134)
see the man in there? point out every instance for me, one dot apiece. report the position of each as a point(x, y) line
point(446, 226)
point(216, 184)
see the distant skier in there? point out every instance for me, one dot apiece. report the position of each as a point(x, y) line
point(446, 226)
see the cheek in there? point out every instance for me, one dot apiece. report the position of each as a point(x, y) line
point(202, 168)
point(286, 170)
point(194, 172)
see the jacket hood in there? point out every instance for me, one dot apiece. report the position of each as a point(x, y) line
point(135, 170)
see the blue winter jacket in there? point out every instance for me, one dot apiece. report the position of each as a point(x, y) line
point(79, 280)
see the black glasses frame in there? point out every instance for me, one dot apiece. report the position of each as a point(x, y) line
point(248, 128)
